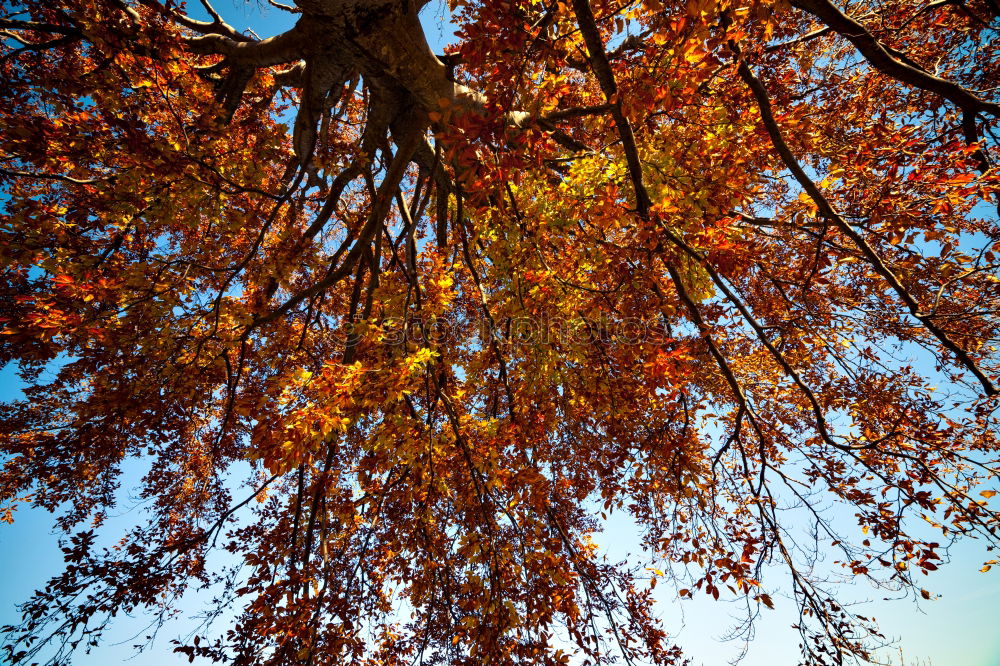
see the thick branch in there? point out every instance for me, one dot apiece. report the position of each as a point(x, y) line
point(602, 69)
point(286, 47)
point(890, 62)
point(829, 213)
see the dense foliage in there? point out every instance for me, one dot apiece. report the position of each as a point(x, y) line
point(396, 331)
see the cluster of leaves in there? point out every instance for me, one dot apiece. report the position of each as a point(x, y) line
point(667, 259)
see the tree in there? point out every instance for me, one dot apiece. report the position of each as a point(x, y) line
point(395, 330)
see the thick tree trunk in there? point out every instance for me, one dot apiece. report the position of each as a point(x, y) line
point(335, 41)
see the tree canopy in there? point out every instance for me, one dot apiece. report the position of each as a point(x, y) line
point(394, 331)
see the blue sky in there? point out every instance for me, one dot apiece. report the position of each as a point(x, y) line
point(959, 627)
